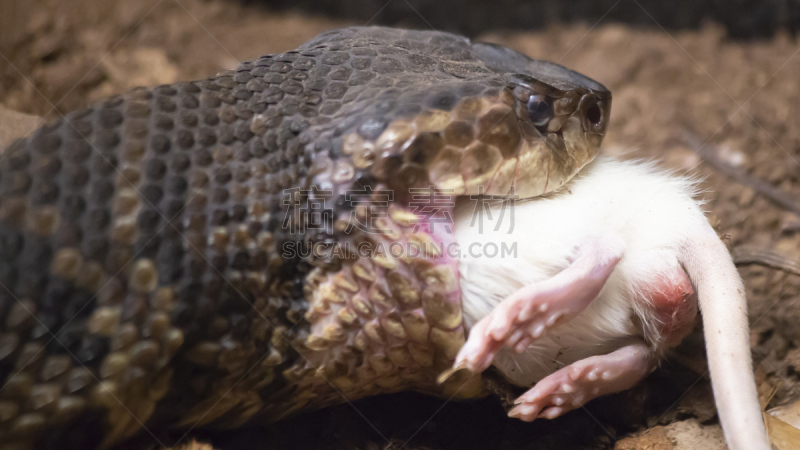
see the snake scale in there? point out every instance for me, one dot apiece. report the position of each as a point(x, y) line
point(160, 268)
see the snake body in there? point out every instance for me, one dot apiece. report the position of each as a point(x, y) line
point(153, 261)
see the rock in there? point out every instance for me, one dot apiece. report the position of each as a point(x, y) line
point(783, 425)
point(14, 125)
point(681, 158)
point(147, 66)
point(686, 435)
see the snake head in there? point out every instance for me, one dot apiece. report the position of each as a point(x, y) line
point(563, 116)
point(430, 109)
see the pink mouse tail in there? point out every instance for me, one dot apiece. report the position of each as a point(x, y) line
point(724, 309)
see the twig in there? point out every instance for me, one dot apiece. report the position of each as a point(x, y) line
point(753, 255)
point(776, 196)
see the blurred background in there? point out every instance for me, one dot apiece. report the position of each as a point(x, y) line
point(706, 87)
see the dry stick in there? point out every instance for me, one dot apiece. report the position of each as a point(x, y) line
point(776, 196)
point(752, 255)
point(747, 254)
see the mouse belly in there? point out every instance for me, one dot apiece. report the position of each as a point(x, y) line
point(559, 349)
point(613, 342)
point(658, 310)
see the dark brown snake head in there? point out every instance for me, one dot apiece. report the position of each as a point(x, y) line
point(465, 117)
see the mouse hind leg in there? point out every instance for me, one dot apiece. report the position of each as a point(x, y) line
point(528, 313)
point(572, 386)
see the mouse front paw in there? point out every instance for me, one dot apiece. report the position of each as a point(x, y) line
point(516, 322)
point(529, 312)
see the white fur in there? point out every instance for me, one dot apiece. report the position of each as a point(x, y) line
point(649, 210)
point(663, 229)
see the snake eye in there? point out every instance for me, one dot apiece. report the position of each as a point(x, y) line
point(539, 110)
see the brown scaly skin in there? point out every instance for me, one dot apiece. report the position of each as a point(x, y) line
point(145, 243)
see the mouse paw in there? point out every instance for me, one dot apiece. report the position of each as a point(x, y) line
point(516, 322)
point(529, 312)
point(574, 385)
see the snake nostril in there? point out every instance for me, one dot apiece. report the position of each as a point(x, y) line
point(594, 114)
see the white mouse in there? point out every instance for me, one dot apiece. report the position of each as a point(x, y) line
point(606, 276)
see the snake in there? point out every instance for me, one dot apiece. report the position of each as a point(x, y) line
point(214, 253)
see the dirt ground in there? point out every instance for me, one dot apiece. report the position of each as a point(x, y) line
point(676, 96)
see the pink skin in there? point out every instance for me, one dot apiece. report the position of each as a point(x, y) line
point(528, 313)
point(574, 385)
point(675, 306)
point(531, 311)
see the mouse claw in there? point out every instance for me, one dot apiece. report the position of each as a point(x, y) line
point(526, 412)
point(444, 376)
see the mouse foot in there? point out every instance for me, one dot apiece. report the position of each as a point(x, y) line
point(529, 312)
point(572, 386)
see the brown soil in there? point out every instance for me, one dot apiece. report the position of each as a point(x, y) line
point(738, 98)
